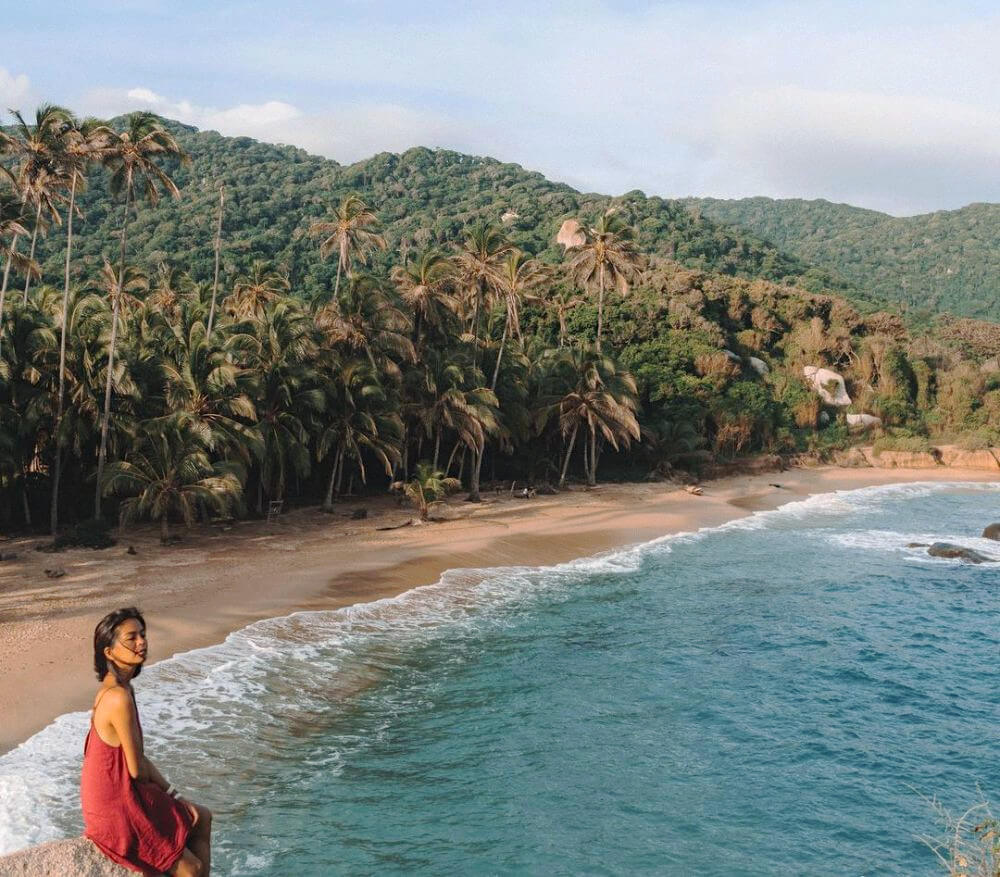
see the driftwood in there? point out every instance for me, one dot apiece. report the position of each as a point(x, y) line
point(408, 523)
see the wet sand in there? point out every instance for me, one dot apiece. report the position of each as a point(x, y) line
point(220, 578)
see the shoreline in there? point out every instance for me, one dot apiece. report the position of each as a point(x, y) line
point(221, 578)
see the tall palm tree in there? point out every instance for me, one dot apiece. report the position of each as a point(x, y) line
point(608, 253)
point(169, 474)
point(11, 228)
point(40, 177)
point(252, 292)
point(218, 252)
point(592, 392)
point(168, 288)
point(479, 261)
point(78, 148)
point(424, 284)
point(353, 231)
point(132, 156)
point(560, 302)
point(520, 274)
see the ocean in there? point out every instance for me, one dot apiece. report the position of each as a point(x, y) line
point(784, 694)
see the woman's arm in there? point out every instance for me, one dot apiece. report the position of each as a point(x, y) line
point(121, 713)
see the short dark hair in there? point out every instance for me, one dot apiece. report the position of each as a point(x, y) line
point(104, 636)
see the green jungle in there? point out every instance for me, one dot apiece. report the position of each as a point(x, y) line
point(195, 325)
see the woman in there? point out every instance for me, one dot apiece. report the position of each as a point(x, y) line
point(130, 811)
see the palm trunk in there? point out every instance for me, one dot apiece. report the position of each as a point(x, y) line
point(218, 247)
point(562, 329)
point(569, 453)
point(24, 502)
point(451, 459)
point(592, 472)
point(336, 286)
point(503, 343)
point(31, 256)
point(103, 452)
point(437, 449)
point(165, 529)
point(328, 501)
point(600, 310)
point(340, 471)
point(57, 469)
point(461, 463)
point(6, 277)
point(476, 470)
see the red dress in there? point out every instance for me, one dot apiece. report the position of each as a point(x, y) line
point(138, 825)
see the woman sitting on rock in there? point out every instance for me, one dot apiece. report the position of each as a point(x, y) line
point(131, 813)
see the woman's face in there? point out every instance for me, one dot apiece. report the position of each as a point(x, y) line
point(129, 647)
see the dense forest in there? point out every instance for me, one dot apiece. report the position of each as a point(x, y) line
point(192, 325)
point(943, 261)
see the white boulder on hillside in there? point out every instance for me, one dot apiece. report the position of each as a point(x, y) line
point(828, 384)
point(570, 234)
point(863, 421)
point(758, 365)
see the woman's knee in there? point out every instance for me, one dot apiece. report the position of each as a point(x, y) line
point(188, 865)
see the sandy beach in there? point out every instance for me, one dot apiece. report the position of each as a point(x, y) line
point(222, 577)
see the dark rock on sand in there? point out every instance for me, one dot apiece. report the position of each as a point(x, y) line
point(917, 545)
point(992, 531)
point(960, 552)
point(359, 514)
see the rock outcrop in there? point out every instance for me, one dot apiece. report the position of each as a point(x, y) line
point(982, 459)
point(758, 365)
point(863, 421)
point(61, 858)
point(852, 458)
point(958, 552)
point(570, 234)
point(992, 531)
point(828, 384)
point(903, 459)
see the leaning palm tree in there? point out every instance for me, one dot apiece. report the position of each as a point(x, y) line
point(37, 149)
point(427, 487)
point(608, 253)
point(252, 292)
point(353, 231)
point(424, 284)
point(131, 156)
point(78, 149)
point(11, 228)
point(169, 474)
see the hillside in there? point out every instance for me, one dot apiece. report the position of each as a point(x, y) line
point(273, 194)
point(943, 261)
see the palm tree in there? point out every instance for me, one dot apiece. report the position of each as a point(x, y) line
point(424, 285)
point(607, 253)
point(362, 420)
point(353, 231)
point(479, 261)
point(131, 156)
point(520, 274)
point(596, 395)
point(78, 148)
point(561, 302)
point(366, 318)
point(168, 289)
point(11, 228)
point(252, 292)
point(169, 474)
point(39, 175)
point(427, 486)
point(218, 251)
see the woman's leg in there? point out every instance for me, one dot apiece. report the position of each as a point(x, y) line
point(200, 839)
point(188, 865)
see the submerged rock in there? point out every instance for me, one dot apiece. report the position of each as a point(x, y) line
point(958, 552)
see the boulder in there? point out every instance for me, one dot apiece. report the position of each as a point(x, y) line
point(509, 217)
point(828, 384)
point(570, 234)
point(732, 357)
point(992, 531)
point(852, 458)
point(905, 460)
point(863, 421)
point(60, 858)
point(758, 365)
point(958, 552)
point(959, 459)
point(824, 418)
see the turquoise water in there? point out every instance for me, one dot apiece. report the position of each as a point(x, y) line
point(777, 696)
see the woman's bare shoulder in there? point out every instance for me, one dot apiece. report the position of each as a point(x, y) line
point(112, 700)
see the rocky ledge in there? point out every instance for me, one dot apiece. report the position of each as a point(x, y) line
point(61, 858)
point(987, 459)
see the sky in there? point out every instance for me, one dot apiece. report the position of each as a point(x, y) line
point(889, 105)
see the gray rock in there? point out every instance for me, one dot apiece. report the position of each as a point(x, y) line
point(992, 531)
point(359, 514)
point(61, 858)
point(958, 552)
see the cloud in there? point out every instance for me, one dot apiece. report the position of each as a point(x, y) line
point(15, 91)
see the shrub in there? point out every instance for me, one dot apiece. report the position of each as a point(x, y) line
point(915, 444)
point(95, 533)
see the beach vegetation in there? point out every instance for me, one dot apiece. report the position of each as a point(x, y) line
point(427, 487)
point(344, 324)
